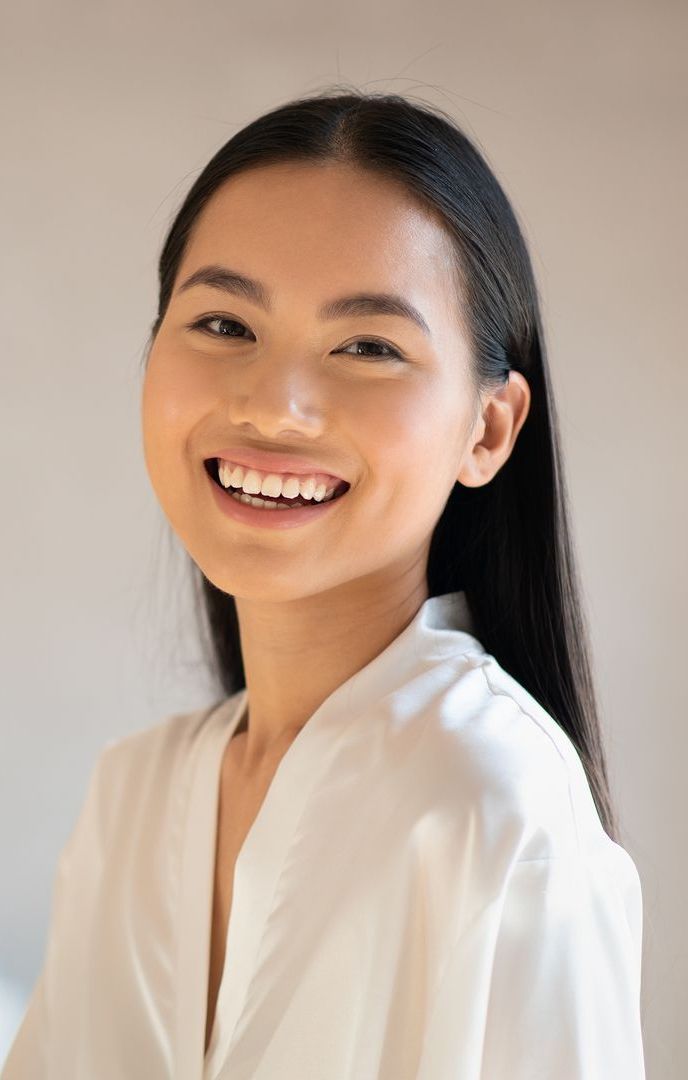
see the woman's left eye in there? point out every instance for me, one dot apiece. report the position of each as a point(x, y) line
point(204, 326)
point(391, 354)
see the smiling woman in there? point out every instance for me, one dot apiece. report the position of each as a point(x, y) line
point(388, 851)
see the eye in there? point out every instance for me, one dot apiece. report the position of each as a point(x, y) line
point(391, 354)
point(203, 326)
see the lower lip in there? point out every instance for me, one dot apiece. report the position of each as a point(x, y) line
point(269, 519)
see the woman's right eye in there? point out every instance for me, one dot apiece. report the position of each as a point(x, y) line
point(204, 325)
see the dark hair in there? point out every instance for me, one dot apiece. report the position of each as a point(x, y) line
point(507, 543)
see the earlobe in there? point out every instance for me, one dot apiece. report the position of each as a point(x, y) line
point(472, 473)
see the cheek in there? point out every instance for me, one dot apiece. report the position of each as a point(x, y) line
point(172, 400)
point(170, 395)
point(411, 437)
point(408, 433)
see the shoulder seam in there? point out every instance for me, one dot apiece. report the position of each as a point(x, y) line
point(503, 693)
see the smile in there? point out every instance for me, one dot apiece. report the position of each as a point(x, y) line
point(277, 512)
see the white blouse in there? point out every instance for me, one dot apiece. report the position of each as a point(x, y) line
point(427, 893)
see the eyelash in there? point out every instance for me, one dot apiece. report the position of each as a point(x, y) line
point(202, 326)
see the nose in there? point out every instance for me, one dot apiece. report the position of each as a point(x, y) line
point(276, 400)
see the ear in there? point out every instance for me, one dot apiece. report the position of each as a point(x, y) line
point(502, 415)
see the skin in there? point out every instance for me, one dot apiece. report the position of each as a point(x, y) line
point(317, 603)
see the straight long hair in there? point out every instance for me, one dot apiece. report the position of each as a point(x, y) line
point(508, 543)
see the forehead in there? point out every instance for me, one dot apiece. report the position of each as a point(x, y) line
point(326, 228)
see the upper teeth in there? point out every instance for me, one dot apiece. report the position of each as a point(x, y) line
point(257, 483)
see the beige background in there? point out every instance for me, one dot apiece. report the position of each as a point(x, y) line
point(109, 112)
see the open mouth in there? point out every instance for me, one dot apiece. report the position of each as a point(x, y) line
point(212, 468)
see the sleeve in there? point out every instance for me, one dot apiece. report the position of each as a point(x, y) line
point(34, 1049)
point(545, 985)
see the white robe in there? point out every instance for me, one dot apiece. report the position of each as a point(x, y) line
point(427, 893)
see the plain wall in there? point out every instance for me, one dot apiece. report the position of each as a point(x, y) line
point(110, 110)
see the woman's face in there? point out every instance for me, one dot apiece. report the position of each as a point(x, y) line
point(287, 380)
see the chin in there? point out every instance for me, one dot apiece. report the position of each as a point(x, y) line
point(252, 584)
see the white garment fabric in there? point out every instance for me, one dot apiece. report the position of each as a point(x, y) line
point(427, 893)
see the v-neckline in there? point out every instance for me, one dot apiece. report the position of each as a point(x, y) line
point(197, 872)
point(433, 634)
point(210, 1064)
point(257, 871)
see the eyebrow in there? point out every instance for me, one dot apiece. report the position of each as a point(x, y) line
point(231, 281)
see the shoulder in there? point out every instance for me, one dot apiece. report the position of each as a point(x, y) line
point(149, 766)
point(173, 735)
point(504, 767)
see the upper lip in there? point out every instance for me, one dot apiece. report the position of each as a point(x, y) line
point(265, 461)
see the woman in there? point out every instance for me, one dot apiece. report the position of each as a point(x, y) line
point(389, 850)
